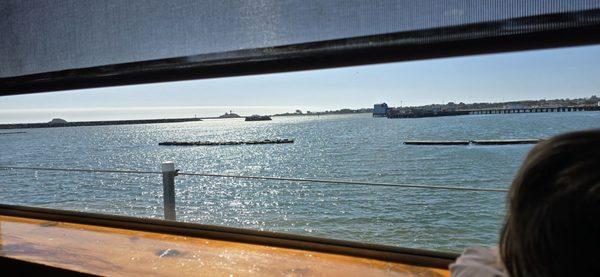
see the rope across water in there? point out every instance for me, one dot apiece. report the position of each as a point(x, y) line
point(306, 180)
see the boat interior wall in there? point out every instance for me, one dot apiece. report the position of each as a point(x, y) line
point(63, 45)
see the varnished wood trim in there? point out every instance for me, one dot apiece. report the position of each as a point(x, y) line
point(380, 252)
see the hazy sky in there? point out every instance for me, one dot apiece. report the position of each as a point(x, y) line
point(557, 73)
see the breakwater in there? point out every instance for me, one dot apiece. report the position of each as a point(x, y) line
point(213, 143)
point(474, 142)
point(12, 133)
point(535, 110)
point(418, 113)
point(95, 123)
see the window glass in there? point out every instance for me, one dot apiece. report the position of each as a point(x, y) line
point(339, 133)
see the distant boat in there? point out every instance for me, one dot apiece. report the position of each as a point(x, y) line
point(258, 118)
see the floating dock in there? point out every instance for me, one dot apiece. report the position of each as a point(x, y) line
point(474, 142)
point(12, 133)
point(211, 143)
point(506, 141)
point(436, 142)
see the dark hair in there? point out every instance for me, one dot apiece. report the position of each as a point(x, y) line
point(553, 221)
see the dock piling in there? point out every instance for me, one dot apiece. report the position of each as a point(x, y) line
point(169, 173)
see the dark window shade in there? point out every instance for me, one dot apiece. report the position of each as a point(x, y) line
point(54, 45)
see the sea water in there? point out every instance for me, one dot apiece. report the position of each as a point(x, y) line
point(345, 147)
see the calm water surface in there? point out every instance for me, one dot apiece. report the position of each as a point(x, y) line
point(349, 147)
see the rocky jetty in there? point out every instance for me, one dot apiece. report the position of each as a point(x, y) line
point(56, 123)
point(258, 118)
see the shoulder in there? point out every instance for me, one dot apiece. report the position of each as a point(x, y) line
point(478, 261)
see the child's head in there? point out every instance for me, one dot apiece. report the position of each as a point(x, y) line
point(553, 221)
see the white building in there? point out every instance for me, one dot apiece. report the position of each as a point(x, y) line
point(380, 110)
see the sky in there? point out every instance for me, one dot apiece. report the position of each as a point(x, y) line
point(541, 74)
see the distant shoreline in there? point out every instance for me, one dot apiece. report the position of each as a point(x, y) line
point(360, 111)
point(451, 106)
point(6, 126)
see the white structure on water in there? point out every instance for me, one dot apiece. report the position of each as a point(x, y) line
point(380, 110)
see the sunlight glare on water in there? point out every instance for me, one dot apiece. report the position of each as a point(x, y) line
point(348, 147)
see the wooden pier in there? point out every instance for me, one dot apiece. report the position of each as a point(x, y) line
point(212, 143)
point(418, 113)
point(535, 110)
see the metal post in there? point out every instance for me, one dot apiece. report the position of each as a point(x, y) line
point(169, 172)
